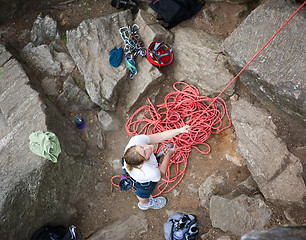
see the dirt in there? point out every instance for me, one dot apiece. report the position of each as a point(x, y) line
point(101, 203)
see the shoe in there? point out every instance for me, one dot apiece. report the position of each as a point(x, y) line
point(154, 203)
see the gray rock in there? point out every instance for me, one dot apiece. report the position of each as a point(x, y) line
point(192, 188)
point(66, 61)
point(26, 179)
point(276, 171)
point(101, 140)
point(42, 58)
point(108, 121)
point(5, 55)
point(239, 215)
point(44, 30)
point(89, 46)
point(135, 224)
point(150, 30)
point(249, 184)
point(201, 52)
point(284, 233)
point(21, 114)
point(147, 79)
point(74, 98)
point(51, 86)
point(116, 165)
point(276, 76)
point(207, 187)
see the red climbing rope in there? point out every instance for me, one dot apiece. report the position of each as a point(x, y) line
point(180, 107)
point(183, 107)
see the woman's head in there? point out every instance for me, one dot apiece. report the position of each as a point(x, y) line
point(137, 155)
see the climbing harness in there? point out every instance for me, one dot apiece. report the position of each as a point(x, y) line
point(159, 53)
point(186, 107)
point(133, 47)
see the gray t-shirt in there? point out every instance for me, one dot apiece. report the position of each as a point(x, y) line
point(148, 171)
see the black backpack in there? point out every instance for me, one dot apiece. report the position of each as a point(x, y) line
point(54, 233)
point(172, 12)
point(181, 226)
point(125, 4)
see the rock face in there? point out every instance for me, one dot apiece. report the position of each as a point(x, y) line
point(206, 188)
point(284, 233)
point(201, 52)
point(21, 113)
point(136, 224)
point(89, 45)
point(276, 171)
point(239, 215)
point(275, 76)
point(73, 98)
point(42, 56)
point(29, 183)
point(44, 30)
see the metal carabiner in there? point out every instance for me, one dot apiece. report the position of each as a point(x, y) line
point(135, 28)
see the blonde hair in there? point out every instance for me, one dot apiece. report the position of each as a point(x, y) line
point(133, 159)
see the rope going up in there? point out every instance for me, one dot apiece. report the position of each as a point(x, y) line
point(154, 120)
point(181, 107)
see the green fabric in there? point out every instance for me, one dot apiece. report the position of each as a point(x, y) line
point(45, 144)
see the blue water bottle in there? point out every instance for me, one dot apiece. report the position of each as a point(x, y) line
point(79, 121)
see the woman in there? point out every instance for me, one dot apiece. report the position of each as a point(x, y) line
point(141, 164)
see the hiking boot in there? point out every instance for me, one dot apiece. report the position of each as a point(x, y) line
point(154, 203)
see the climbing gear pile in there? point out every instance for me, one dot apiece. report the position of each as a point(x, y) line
point(159, 53)
point(180, 108)
point(133, 46)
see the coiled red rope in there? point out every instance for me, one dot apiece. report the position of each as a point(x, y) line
point(180, 107)
point(183, 107)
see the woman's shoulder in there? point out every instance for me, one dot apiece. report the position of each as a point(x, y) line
point(138, 140)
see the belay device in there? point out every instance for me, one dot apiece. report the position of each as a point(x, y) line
point(181, 226)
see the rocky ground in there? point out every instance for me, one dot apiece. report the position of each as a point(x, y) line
point(102, 204)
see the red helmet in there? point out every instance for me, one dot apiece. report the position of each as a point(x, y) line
point(159, 54)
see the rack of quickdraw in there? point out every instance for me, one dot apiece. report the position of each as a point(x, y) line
point(133, 47)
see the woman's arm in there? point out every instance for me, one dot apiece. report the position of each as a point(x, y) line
point(168, 134)
point(164, 165)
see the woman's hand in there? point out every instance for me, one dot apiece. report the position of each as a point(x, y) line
point(168, 134)
point(164, 165)
point(185, 129)
point(171, 151)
